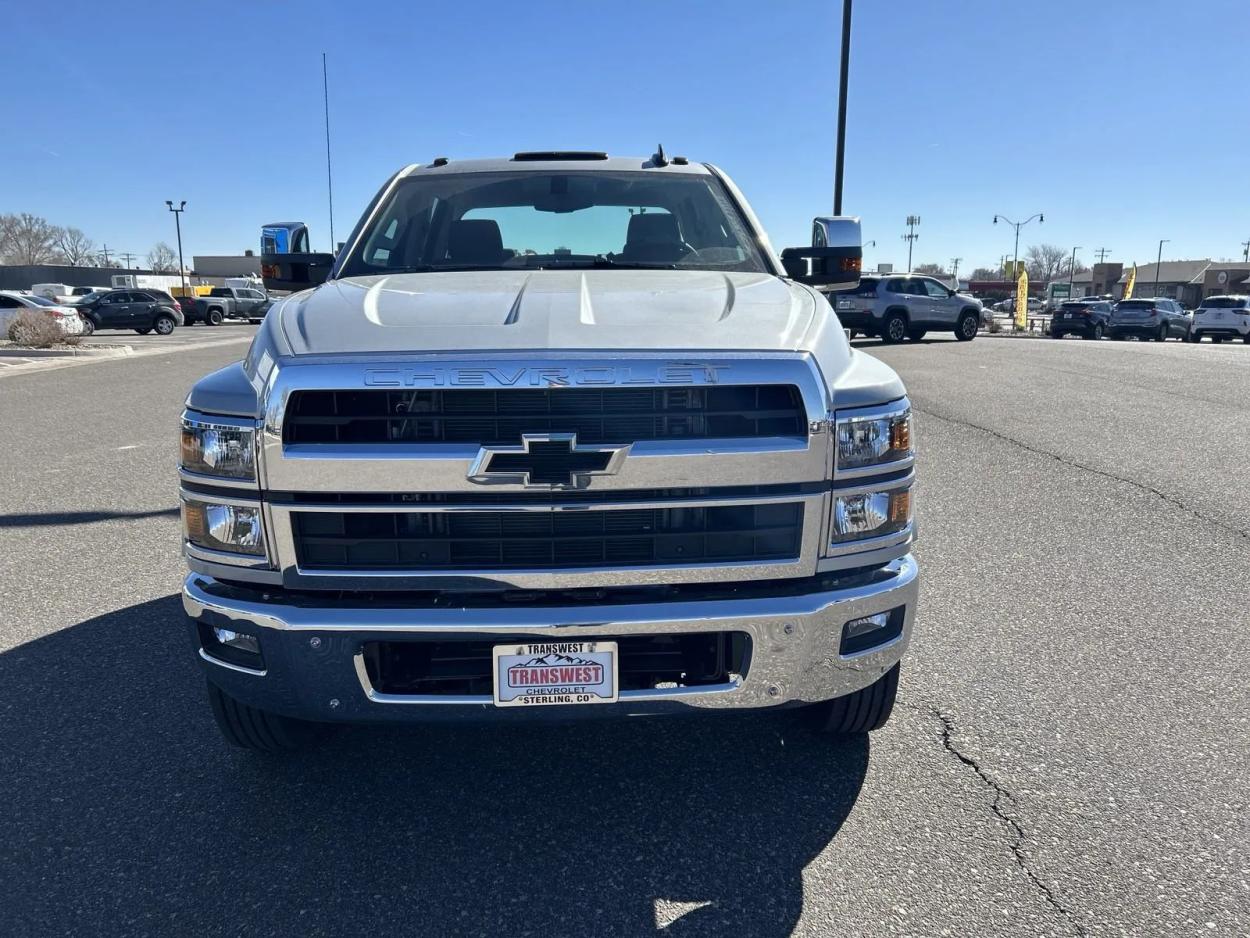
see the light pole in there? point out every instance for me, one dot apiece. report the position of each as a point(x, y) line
point(1018, 225)
point(182, 207)
point(846, 65)
point(911, 236)
point(1072, 269)
point(1159, 262)
point(955, 269)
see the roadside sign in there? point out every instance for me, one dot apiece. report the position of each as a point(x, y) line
point(1022, 301)
point(1132, 282)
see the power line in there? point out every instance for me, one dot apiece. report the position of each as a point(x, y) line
point(1102, 254)
point(104, 252)
point(1246, 245)
point(955, 267)
point(127, 257)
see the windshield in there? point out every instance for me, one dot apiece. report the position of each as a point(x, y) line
point(1137, 304)
point(537, 220)
point(1224, 302)
point(41, 300)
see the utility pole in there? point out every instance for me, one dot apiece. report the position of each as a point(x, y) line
point(911, 236)
point(1015, 267)
point(104, 252)
point(182, 207)
point(1159, 263)
point(846, 67)
point(1246, 246)
point(127, 258)
point(1102, 254)
point(325, 91)
point(955, 269)
point(1072, 269)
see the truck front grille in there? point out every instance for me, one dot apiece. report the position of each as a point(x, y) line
point(517, 540)
point(494, 417)
point(445, 667)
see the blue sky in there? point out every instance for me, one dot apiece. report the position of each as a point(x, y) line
point(1125, 121)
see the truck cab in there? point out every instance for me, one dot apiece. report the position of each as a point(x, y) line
point(553, 436)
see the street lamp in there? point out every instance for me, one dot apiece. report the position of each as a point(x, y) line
point(1018, 225)
point(182, 207)
point(845, 73)
point(1072, 269)
point(1159, 262)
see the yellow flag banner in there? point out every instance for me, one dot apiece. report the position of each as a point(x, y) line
point(1022, 301)
point(1132, 282)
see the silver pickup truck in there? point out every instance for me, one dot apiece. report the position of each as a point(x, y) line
point(553, 436)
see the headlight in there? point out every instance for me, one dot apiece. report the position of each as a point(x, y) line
point(219, 446)
point(873, 438)
point(870, 514)
point(234, 528)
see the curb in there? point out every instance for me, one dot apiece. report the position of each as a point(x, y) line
point(115, 352)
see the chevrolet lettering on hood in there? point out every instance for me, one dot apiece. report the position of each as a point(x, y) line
point(676, 373)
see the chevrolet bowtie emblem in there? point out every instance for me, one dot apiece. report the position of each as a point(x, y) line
point(546, 461)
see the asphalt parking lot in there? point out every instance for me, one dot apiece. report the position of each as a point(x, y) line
point(1071, 753)
point(181, 337)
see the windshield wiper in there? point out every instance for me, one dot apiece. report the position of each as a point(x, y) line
point(601, 260)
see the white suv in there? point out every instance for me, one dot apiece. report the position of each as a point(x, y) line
point(1222, 317)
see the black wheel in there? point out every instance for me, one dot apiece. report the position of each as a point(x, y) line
point(259, 730)
point(1194, 336)
point(915, 335)
point(1116, 337)
point(144, 331)
point(1217, 339)
point(1055, 335)
point(861, 712)
point(88, 327)
point(164, 325)
point(966, 328)
point(1246, 338)
point(894, 330)
point(213, 317)
point(1163, 333)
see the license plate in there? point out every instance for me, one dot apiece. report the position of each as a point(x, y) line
point(845, 304)
point(548, 674)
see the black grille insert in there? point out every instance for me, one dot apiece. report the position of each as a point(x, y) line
point(596, 415)
point(511, 540)
point(696, 659)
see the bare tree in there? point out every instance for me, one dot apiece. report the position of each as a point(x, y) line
point(1045, 262)
point(28, 239)
point(932, 270)
point(162, 258)
point(986, 273)
point(76, 247)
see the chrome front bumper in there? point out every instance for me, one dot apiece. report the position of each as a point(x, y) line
point(314, 666)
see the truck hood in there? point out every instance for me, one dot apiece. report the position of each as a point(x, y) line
point(551, 309)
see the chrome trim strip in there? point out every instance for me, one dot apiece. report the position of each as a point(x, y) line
point(199, 478)
point(897, 465)
point(225, 557)
point(436, 507)
point(868, 485)
point(232, 667)
point(864, 545)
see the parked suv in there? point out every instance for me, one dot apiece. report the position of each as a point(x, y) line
point(141, 310)
point(1155, 318)
point(1088, 318)
point(907, 307)
point(1222, 317)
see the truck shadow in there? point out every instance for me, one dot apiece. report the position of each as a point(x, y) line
point(124, 812)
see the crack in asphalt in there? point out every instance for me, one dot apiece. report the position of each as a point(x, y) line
point(1017, 830)
point(1094, 470)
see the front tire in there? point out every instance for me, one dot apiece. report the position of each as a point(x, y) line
point(1163, 333)
point(861, 712)
point(966, 328)
point(213, 317)
point(259, 730)
point(894, 330)
point(88, 327)
point(1097, 333)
